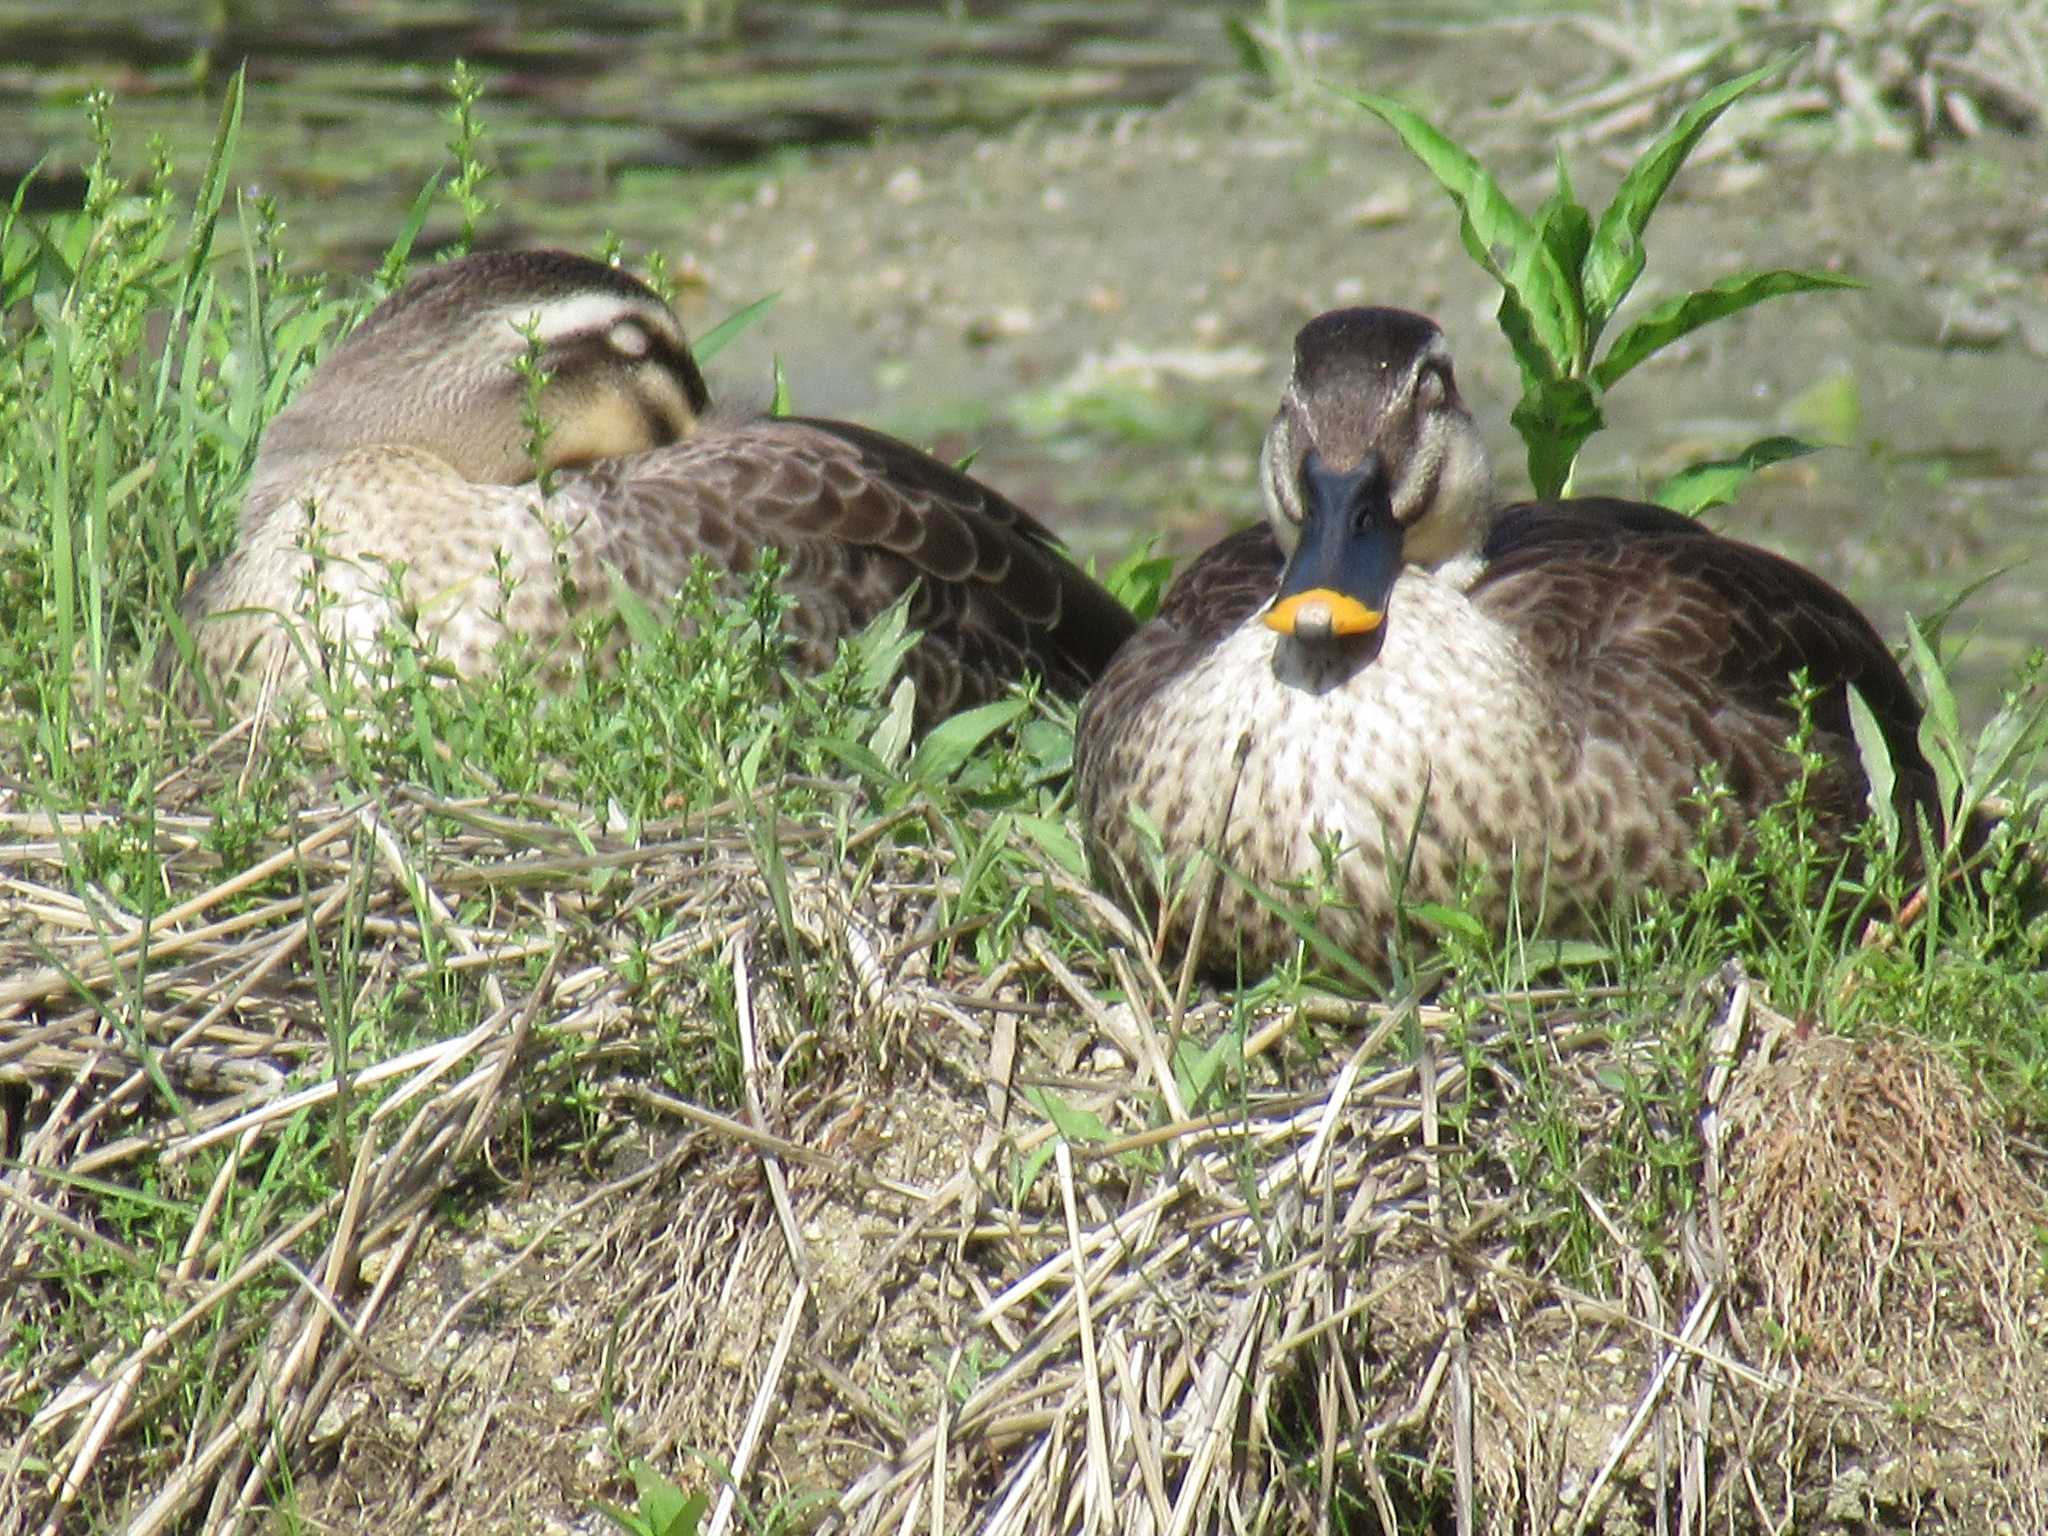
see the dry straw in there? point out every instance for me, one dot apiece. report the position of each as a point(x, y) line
point(874, 1270)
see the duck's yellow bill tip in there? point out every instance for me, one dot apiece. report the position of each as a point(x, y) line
point(1319, 612)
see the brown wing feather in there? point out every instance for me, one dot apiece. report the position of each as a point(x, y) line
point(1212, 596)
point(860, 518)
point(1622, 602)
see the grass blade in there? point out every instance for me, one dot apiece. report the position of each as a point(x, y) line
point(1337, 962)
point(714, 341)
point(1878, 768)
point(206, 206)
point(1936, 622)
point(391, 270)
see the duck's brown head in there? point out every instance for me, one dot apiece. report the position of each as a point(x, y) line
point(437, 367)
point(1371, 463)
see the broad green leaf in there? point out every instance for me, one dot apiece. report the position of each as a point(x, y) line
point(1679, 317)
point(665, 1508)
point(1196, 1067)
point(748, 771)
point(1055, 839)
point(1029, 1168)
point(1616, 258)
point(1941, 731)
point(862, 762)
point(1139, 580)
point(2019, 730)
point(1539, 367)
point(1497, 234)
point(1716, 482)
point(1829, 410)
point(1941, 703)
point(625, 1520)
point(1554, 421)
point(1250, 51)
point(714, 341)
point(892, 736)
point(940, 755)
point(1079, 1125)
point(1567, 229)
point(1878, 769)
point(1150, 838)
point(1048, 746)
point(642, 627)
point(1567, 954)
point(882, 644)
point(1449, 920)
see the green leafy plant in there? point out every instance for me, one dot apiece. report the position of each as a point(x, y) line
point(1563, 275)
point(1141, 578)
point(660, 1508)
point(466, 148)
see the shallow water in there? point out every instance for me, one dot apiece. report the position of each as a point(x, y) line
point(592, 103)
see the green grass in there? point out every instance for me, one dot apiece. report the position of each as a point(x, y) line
point(149, 337)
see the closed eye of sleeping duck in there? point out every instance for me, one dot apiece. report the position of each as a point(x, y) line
point(402, 469)
point(1395, 669)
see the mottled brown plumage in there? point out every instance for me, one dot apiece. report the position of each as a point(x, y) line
point(405, 465)
point(1549, 686)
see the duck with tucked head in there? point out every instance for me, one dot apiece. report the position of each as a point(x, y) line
point(1396, 671)
point(400, 486)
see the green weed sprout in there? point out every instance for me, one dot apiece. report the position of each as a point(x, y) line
point(1563, 274)
point(661, 1509)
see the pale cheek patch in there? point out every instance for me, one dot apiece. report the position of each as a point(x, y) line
point(663, 395)
point(606, 429)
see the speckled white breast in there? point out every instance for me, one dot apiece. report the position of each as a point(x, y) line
point(387, 540)
point(1445, 752)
